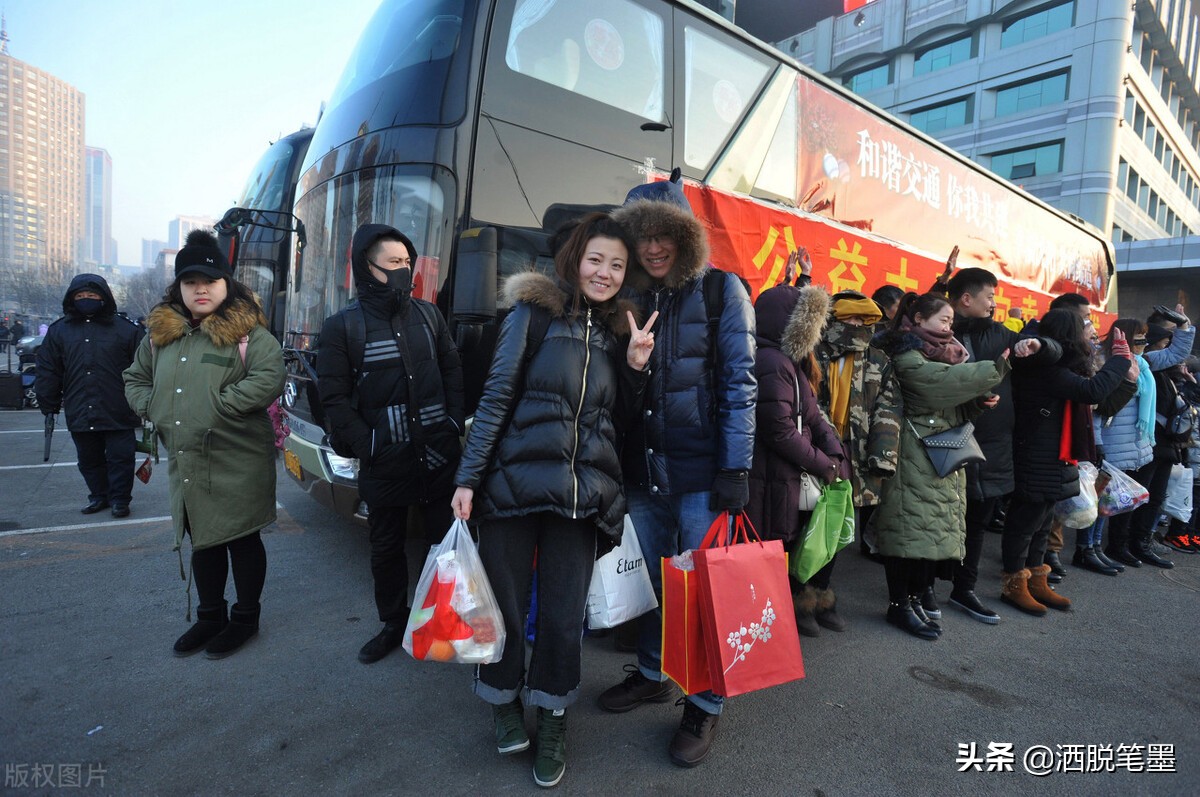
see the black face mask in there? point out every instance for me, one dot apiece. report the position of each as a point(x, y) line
point(89, 306)
point(399, 280)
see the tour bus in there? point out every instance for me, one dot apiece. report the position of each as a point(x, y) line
point(256, 232)
point(477, 127)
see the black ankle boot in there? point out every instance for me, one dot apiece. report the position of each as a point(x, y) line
point(1121, 555)
point(1104, 560)
point(903, 617)
point(1140, 547)
point(1087, 559)
point(1056, 565)
point(210, 621)
point(243, 625)
point(923, 614)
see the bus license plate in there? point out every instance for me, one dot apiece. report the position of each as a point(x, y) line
point(292, 463)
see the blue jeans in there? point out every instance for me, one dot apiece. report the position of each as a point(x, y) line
point(1092, 535)
point(667, 525)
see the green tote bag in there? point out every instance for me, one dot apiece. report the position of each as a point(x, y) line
point(830, 529)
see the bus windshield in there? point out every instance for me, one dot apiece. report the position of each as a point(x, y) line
point(270, 180)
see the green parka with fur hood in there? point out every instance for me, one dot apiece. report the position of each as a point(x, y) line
point(210, 410)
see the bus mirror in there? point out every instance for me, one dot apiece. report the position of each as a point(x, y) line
point(475, 276)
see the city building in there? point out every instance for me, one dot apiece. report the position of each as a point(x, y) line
point(1091, 105)
point(180, 226)
point(99, 246)
point(150, 249)
point(41, 169)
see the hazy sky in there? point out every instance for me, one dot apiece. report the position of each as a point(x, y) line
point(184, 95)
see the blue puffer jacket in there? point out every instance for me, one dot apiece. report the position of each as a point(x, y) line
point(694, 422)
point(1123, 446)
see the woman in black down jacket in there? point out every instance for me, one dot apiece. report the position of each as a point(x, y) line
point(1052, 432)
point(542, 464)
point(793, 435)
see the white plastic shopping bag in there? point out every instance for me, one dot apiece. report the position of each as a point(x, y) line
point(1178, 503)
point(1079, 512)
point(455, 616)
point(621, 588)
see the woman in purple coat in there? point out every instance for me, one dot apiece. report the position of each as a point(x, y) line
point(793, 436)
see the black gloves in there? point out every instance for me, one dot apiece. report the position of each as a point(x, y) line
point(730, 490)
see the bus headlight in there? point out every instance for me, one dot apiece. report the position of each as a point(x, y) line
point(342, 467)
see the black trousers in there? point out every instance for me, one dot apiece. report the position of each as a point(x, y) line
point(1026, 531)
point(566, 552)
point(210, 569)
point(1139, 523)
point(979, 515)
point(389, 563)
point(907, 577)
point(106, 462)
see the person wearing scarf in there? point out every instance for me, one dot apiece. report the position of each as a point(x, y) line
point(920, 524)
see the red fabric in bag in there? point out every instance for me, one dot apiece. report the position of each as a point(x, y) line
point(749, 628)
point(684, 657)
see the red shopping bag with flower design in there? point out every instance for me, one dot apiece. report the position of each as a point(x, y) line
point(749, 629)
point(684, 657)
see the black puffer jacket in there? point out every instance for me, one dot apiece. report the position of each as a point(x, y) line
point(80, 362)
point(544, 438)
point(1040, 393)
point(986, 339)
point(402, 419)
point(697, 419)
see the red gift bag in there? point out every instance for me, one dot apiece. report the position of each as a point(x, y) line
point(749, 629)
point(684, 658)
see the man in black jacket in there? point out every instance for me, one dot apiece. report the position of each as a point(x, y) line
point(79, 368)
point(972, 292)
point(391, 384)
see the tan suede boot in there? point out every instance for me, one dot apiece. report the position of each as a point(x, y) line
point(1041, 591)
point(1015, 592)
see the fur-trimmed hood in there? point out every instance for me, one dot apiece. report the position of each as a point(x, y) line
point(643, 218)
point(553, 296)
point(232, 321)
point(791, 319)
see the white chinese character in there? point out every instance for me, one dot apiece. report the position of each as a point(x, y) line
point(971, 205)
point(933, 186)
point(1130, 757)
point(69, 775)
point(868, 155)
point(954, 196)
point(1100, 758)
point(968, 757)
point(1000, 757)
point(889, 169)
point(1000, 218)
point(1071, 758)
point(96, 772)
point(16, 776)
point(1160, 758)
point(985, 213)
point(916, 179)
point(42, 775)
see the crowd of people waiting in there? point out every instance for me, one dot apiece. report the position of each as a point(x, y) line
point(636, 378)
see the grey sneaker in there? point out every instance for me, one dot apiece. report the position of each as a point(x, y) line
point(633, 691)
point(551, 760)
point(510, 728)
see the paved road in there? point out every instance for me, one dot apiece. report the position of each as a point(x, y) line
point(89, 610)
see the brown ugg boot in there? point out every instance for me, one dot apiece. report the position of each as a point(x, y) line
point(827, 614)
point(1015, 592)
point(1042, 592)
point(805, 603)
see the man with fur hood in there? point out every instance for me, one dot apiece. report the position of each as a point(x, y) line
point(688, 456)
point(79, 368)
point(392, 387)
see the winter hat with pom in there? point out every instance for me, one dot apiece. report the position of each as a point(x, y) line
point(201, 255)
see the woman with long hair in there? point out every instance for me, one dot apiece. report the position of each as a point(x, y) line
point(205, 375)
point(920, 525)
point(542, 473)
point(1052, 434)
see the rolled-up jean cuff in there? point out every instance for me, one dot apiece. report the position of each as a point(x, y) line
point(535, 697)
point(651, 675)
point(707, 702)
point(494, 696)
